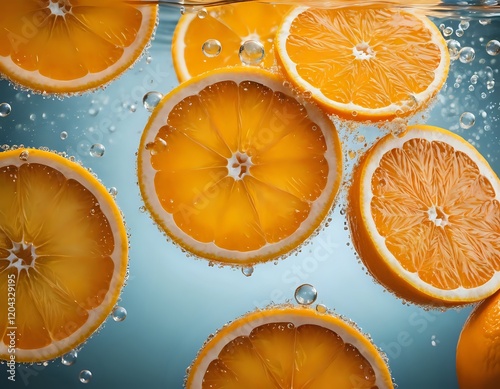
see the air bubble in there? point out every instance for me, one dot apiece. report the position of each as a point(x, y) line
point(211, 48)
point(453, 48)
point(434, 341)
point(467, 120)
point(247, 271)
point(97, 150)
point(202, 13)
point(32, 117)
point(493, 47)
point(24, 155)
point(321, 308)
point(151, 100)
point(484, 22)
point(157, 146)
point(119, 313)
point(459, 32)
point(467, 55)
point(85, 376)
point(69, 359)
point(447, 31)
point(464, 24)
point(251, 52)
point(490, 84)
point(113, 191)
point(5, 110)
point(473, 79)
point(63, 135)
point(306, 294)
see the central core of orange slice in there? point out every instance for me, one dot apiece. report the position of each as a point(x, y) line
point(437, 216)
point(21, 256)
point(59, 7)
point(363, 51)
point(238, 165)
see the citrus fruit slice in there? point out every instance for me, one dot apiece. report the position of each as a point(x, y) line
point(63, 254)
point(478, 349)
point(235, 169)
point(69, 46)
point(212, 39)
point(289, 347)
point(424, 213)
point(363, 63)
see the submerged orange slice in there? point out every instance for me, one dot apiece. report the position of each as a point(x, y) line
point(68, 46)
point(289, 347)
point(478, 349)
point(63, 254)
point(212, 38)
point(235, 169)
point(424, 210)
point(363, 63)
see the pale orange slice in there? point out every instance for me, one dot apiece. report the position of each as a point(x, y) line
point(235, 169)
point(63, 254)
point(289, 347)
point(69, 46)
point(478, 349)
point(212, 38)
point(424, 213)
point(363, 63)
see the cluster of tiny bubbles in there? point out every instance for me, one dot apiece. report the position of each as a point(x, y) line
point(467, 120)
point(251, 52)
point(211, 48)
point(151, 99)
point(119, 313)
point(69, 359)
point(306, 294)
point(85, 376)
point(5, 109)
point(493, 47)
point(247, 270)
point(97, 150)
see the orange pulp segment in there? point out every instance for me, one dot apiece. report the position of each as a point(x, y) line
point(424, 212)
point(237, 170)
point(69, 46)
point(63, 254)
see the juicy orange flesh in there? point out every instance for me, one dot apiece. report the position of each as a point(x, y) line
point(231, 25)
point(89, 37)
point(65, 262)
point(438, 214)
point(259, 204)
point(280, 355)
point(400, 48)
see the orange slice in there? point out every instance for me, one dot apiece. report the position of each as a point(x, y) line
point(424, 213)
point(63, 254)
point(478, 349)
point(363, 63)
point(68, 46)
point(223, 30)
point(235, 169)
point(289, 347)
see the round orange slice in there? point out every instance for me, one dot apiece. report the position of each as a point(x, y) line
point(212, 38)
point(63, 254)
point(478, 349)
point(424, 213)
point(363, 63)
point(235, 169)
point(289, 347)
point(70, 46)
